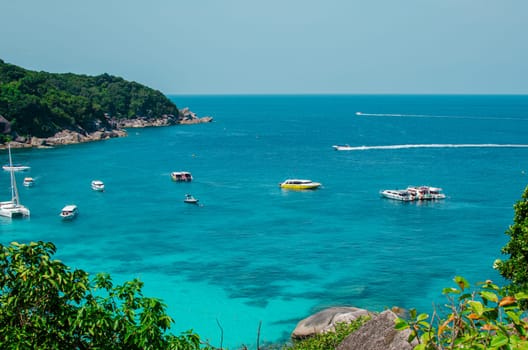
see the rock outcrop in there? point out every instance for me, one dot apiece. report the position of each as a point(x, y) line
point(326, 320)
point(117, 129)
point(378, 334)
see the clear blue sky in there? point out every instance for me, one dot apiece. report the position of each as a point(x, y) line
point(277, 47)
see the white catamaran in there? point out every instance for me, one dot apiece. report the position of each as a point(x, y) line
point(13, 208)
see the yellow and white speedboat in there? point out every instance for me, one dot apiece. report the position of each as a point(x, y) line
point(299, 184)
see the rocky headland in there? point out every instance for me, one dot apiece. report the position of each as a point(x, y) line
point(113, 128)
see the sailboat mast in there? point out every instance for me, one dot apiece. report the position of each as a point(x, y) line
point(14, 190)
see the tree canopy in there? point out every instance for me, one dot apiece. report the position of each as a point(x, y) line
point(45, 305)
point(41, 103)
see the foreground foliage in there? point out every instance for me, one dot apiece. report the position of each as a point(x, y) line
point(329, 340)
point(486, 318)
point(41, 103)
point(44, 305)
point(515, 268)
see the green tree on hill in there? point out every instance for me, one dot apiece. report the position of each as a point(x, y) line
point(41, 103)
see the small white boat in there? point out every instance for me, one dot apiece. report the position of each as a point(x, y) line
point(15, 167)
point(181, 176)
point(28, 182)
point(69, 212)
point(400, 195)
point(299, 184)
point(98, 185)
point(190, 199)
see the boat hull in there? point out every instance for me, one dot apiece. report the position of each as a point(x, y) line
point(300, 187)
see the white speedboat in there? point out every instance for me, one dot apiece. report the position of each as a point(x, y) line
point(181, 176)
point(28, 182)
point(299, 184)
point(400, 195)
point(424, 193)
point(343, 147)
point(190, 199)
point(98, 185)
point(12, 208)
point(69, 212)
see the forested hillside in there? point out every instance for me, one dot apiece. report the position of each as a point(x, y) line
point(41, 104)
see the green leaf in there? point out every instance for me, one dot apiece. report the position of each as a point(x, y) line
point(400, 324)
point(462, 282)
point(499, 340)
point(521, 296)
point(422, 317)
point(489, 296)
point(476, 307)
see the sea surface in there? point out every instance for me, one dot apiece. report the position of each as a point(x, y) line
point(254, 257)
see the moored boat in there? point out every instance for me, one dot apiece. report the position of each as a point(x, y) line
point(190, 199)
point(181, 176)
point(28, 182)
point(12, 208)
point(69, 212)
point(426, 192)
point(401, 195)
point(98, 185)
point(415, 193)
point(16, 167)
point(299, 184)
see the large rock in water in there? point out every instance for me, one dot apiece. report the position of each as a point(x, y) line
point(325, 321)
point(378, 334)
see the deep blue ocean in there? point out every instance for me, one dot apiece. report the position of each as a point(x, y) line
point(254, 253)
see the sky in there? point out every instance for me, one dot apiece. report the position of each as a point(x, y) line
point(277, 47)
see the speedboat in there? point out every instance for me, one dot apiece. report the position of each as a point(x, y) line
point(15, 167)
point(181, 176)
point(69, 212)
point(299, 184)
point(343, 147)
point(28, 181)
point(426, 192)
point(98, 185)
point(400, 195)
point(190, 199)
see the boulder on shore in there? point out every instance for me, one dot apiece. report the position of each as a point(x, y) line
point(378, 334)
point(326, 320)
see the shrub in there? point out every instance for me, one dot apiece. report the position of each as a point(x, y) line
point(486, 318)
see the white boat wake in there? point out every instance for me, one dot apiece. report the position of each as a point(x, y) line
point(433, 116)
point(432, 145)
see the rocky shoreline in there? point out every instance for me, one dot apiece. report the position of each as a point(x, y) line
point(117, 129)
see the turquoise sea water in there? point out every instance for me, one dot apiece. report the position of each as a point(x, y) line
point(253, 252)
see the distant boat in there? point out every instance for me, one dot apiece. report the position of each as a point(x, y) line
point(181, 176)
point(343, 147)
point(400, 195)
point(415, 193)
point(190, 199)
point(13, 208)
point(299, 184)
point(28, 182)
point(98, 185)
point(69, 212)
point(15, 167)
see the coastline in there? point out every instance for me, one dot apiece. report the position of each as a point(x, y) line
point(118, 129)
